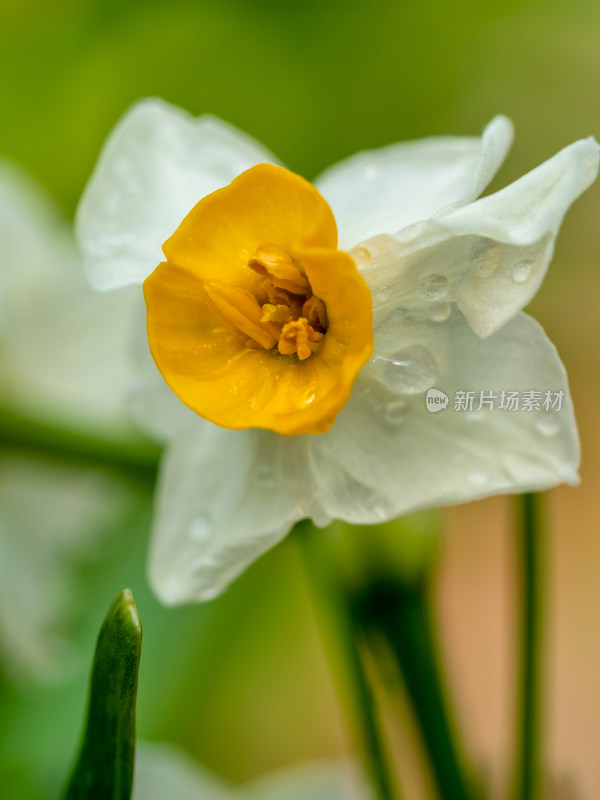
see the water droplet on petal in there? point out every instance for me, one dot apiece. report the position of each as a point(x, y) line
point(410, 371)
point(521, 271)
point(266, 476)
point(360, 255)
point(380, 512)
point(209, 594)
point(547, 424)
point(433, 287)
point(485, 256)
point(568, 475)
point(380, 294)
point(310, 392)
point(407, 316)
point(439, 312)
point(395, 412)
point(477, 478)
point(371, 172)
point(199, 529)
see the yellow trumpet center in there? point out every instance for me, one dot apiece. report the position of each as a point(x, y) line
point(256, 319)
point(283, 314)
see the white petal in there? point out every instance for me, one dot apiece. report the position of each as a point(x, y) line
point(224, 498)
point(51, 516)
point(490, 256)
point(157, 410)
point(162, 771)
point(156, 165)
point(380, 191)
point(65, 347)
point(387, 455)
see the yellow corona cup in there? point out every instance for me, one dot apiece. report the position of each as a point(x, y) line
point(256, 319)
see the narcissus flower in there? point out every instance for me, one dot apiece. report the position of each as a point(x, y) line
point(301, 326)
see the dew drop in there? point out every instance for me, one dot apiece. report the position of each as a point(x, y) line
point(521, 271)
point(410, 371)
point(379, 511)
point(485, 256)
point(395, 412)
point(568, 475)
point(199, 529)
point(407, 316)
point(309, 395)
point(477, 478)
point(266, 476)
point(439, 312)
point(433, 287)
point(547, 424)
point(209, 594)
point(360, 255)
point(380, 293)
point(371, 172)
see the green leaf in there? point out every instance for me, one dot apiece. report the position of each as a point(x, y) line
point(104, 769)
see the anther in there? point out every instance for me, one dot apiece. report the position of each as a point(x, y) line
point(275, 264)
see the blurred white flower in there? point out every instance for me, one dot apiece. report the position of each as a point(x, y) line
point(53, 518)
point(62, 363)
point(448, 276)
point(64, 347)
point(164, 771)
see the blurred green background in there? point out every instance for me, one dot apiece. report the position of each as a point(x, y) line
point(242, 682)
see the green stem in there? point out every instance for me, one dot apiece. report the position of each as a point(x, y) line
point(400, 611)
point(28, 434)
point(341, 636)
point(527, 770)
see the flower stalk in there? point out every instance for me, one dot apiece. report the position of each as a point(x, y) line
point(341, 635)
point(399, 611)
point(528, 766)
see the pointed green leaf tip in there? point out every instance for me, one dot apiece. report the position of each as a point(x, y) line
point(104, 769)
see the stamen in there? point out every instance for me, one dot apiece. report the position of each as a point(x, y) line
point(278, 266)
point(267, 293)
point(241, 310)
point(282, 314)
point(278, 313)
point(315, 312)
point(298, 337)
